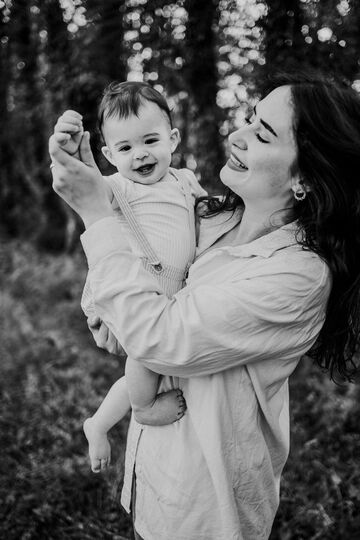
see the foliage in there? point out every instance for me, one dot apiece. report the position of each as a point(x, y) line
point(52, 376)
point(310, 34)
point(320, 496)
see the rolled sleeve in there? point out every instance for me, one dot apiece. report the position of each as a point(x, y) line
point(203, 329)
point(103, 237)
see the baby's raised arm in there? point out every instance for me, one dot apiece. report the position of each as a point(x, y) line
point(68, 132)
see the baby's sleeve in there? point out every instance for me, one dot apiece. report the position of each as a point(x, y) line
point(195, 187)
point(119, 183)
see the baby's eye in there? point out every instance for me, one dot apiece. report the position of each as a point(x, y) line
point(151, 141)
point(125, 148)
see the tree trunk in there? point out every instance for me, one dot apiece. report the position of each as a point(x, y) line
point(202, 82)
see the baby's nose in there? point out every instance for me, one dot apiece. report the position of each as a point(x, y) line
point(141, 153)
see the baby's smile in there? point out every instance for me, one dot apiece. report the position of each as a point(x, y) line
point(145, 170)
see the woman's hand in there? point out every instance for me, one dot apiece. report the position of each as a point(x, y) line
point(103, 337)
point(80, 183)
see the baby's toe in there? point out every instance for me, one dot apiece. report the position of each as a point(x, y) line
point(182, 407)
point(103, 464)
point(96, 465)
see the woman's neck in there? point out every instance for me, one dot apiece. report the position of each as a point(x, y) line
point(256, 224)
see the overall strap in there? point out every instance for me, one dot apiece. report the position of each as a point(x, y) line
point(129, 215)
point(186, 188)
point(185, 185)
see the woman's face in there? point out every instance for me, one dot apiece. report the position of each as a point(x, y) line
point(262, 152)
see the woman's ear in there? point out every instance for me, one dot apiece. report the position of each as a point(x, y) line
point(299, 185)
point(175, 139)
point(107, 154)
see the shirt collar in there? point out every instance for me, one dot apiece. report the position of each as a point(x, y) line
point(264, 246)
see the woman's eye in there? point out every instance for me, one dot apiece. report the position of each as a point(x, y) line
point(250, 119)
point(261, 139)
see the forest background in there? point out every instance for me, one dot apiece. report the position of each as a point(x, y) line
point(211, 58)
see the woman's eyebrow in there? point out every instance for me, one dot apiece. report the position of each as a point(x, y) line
point(266, 125)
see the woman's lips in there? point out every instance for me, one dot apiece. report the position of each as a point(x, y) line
point(236, 164)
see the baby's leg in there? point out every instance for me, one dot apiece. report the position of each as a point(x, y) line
point(113, 408)
point(149, 407)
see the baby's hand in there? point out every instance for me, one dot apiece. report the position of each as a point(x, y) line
point(99, 447)
point(68, 132)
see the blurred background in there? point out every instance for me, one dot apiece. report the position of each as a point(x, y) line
point(211, 59)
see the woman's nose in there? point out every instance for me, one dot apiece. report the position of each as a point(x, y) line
point(238, 138)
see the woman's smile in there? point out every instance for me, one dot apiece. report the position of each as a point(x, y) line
point(236, 164)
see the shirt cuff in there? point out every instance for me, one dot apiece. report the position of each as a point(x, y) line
point(102, 238)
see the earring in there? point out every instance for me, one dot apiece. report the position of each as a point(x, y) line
point(299, 192)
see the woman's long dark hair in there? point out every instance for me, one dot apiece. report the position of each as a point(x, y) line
point(327, 132)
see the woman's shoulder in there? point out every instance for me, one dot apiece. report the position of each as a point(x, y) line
point(305, 267)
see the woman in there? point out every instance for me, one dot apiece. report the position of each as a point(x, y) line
point(277, 271)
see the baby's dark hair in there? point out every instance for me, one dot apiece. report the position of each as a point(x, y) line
point(123, 99)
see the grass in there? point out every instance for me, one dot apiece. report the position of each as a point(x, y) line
point(320, 496)
point(52, 376)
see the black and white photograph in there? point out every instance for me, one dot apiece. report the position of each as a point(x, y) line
point(180, 270)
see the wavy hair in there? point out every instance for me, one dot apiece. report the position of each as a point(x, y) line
point(327, 133)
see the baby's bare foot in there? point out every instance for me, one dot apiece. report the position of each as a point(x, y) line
point(99, 446)
point(167, 407)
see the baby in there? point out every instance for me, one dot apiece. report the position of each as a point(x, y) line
point(155, 204)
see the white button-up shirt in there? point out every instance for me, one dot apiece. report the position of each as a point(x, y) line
point(231, 337)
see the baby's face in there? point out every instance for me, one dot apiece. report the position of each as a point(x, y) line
point(140, 147)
